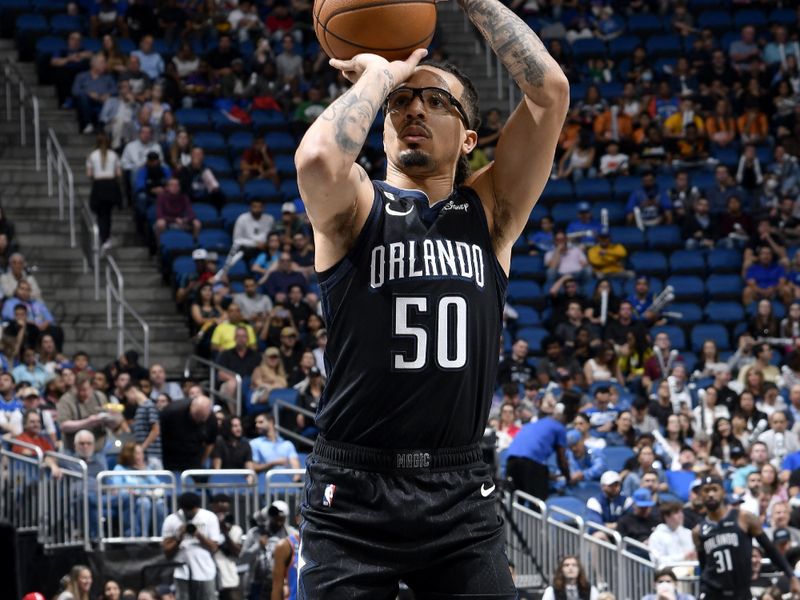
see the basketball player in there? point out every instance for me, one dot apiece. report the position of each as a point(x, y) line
point(724, 547)
point(413, 273)
point(284, 569)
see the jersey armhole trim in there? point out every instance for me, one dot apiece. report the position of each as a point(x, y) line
point(331, 276)
point(502, 278)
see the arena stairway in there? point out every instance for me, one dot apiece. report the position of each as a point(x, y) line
point(44, 240)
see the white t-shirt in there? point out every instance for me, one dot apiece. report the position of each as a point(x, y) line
point(200, 562)
point(248, 232)
point(228, 572)
point(100, 170)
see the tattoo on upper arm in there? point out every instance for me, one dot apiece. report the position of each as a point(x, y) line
point(517, 46)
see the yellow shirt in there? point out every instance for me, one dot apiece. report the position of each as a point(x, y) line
point(610, 259)
point(225, 333)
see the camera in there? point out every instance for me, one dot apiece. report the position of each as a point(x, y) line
point(228, 519)
point(191, 528)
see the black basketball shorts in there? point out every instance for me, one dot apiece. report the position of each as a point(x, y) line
point(372, 518)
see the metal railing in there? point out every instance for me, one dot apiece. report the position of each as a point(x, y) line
point(526, 540)
point(115, 298)
point(132, 505)
point(240, 485)
point(23, 97)
point(286, 431)
point(20, 485)
point(279, 485)
point(213, 380)
point(602, 559)
point(636, 569)
point(65, 505)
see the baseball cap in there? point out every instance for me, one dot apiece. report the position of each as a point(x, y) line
point(584, 207)
point(695, 485)
point(273, 351)
point(573, 437)
point(781, 535)
point(288, 331)
point(33, 596)
point(609, 478)
point(153, 156)
point(734, 499)
point(200, 254)
point(314, 372)
point(643, 498)
point(288, 207)
point(278, 508)
point(737, 452)
point(711, 480)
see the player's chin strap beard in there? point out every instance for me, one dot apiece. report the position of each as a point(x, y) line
point(415, 158)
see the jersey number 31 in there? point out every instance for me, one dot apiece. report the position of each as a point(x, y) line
point(450, 351)
point(724, 562)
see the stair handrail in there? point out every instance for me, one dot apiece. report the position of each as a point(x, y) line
point(213, 380)
point(13, 77)
point(115, 298)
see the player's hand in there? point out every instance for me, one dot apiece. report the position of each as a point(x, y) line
point(795, 587)
point(401, 70)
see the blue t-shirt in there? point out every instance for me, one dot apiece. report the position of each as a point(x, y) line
point(542, 240)
point(537, 441)
point(765, 277)
point(589, 230)
point(265, 450)
point(640, 306)
point(791, 461)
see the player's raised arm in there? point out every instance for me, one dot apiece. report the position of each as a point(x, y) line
point(510, 187)
point(330, 182)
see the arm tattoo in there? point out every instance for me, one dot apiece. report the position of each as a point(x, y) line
point(516, 45)
point(353, 113)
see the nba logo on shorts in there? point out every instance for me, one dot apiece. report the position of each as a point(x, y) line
point(327, 499)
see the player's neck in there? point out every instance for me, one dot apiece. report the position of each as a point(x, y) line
point(436, 187)
point(719, 514)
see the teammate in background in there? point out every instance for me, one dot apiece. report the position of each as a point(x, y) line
point(284, 571)
point(724, 547)
point(413, 272)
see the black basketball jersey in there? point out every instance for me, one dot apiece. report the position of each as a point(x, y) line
point(728, 551)
point(414, 317)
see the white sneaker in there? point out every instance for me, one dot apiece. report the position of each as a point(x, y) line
point(106, 246)
point(88, 129)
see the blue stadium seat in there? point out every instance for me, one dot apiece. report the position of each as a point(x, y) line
point(612, 90)
point(724, 312)
point(663, 45)
point(583, 490)
point(193, 118)
point(269, 120)
point(749, 16)
point(183, 265)
point(558, 190)
point(594, 189)
point(47, 46)
point(724, 261)
point(290, 191)
point(568, 503)
point(564, 212)
point(729, 157)
point(279, 142)
point(210, 141)
point(645, 24)
point(285, 165)
point(174, 241)
point(217, 240)
point(206, 214)
point(226, 123)
point(238, 271)
point(219, 165)
point(679, 483)
point(630, 237)
point(676, 337)
point(687, 262)
point(239, 141)
point(656, 285)
point(31, 24)
point(664, 236)
point(783, 16)
point(64, 24)
point(534, 337)
point(649, 263)
point(527, 316)
point(577, 91)
point(724, 287)
point(615, 210)
point(692, 313)
point(710, 331)
point(623, 187)
point(230, 189)
point(263, 189)
point(623, 46)
point(617, 456)
point(527, 266)
point(715, 20)
point(688, 288)
point(586, 48)
point(524, 291)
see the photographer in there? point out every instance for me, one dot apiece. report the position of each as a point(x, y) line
point(191, 536)
point(259, 546)
point(229, 550)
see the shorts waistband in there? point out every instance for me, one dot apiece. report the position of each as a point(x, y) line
point(405, 460)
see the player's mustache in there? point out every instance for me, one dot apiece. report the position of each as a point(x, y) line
point(418, 125)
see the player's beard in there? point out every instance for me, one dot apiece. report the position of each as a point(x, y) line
point(414, 158)
point(712, 505)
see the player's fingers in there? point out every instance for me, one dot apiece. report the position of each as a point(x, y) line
point(416, 56)
point(341, 65)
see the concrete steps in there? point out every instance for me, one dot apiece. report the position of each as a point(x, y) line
point(59, 268)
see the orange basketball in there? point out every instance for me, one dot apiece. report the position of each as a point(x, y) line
point(391, 28)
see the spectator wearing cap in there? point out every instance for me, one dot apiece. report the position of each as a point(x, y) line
point(585, 464)
point(31, 400)
point(666, 587)
point(284, 276)
point(607, 258)
point(224, 336)
point(654, 206)
point(290, 348)
point(515, 366)
point(251, 229)
point(601, 412)
point(191, 536)
point(608, 506)
point(670, 541)
point(584, 229)
point(531, 450)
point(639, 523)
point(290, 222)
point(190, 283)
point(241, 360)
point(174, 211)
point(259, 545)
point(566, 259)
point(694, 510)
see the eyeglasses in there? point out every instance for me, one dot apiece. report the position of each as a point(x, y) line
point(664, 580)
point(436, 100)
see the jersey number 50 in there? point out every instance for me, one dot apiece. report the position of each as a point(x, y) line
point(447, 357)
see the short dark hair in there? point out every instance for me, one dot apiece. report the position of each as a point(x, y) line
point(603, 389)
point(668, 508)
point(220, 498)
point(188, 501)
point(665, 571)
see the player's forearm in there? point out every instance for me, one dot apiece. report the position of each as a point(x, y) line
point(521, 51)
point(335, 139)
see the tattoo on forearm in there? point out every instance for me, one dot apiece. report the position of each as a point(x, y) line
point(353, 113)
point(517, 46)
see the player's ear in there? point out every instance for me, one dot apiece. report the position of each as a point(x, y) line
point(470, 141)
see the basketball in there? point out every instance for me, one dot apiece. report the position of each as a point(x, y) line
point(390, 28)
